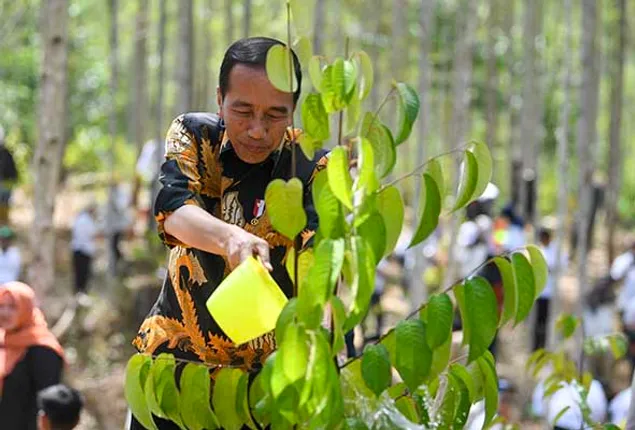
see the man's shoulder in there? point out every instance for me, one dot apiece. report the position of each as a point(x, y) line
point(201, 124)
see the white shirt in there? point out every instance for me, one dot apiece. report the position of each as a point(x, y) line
point(568, 395)
point(469, 252)
point(624, 268)
point(84, 232)
point(618, 408)
point(599, 322)
point(9, 264)
point(550, 252)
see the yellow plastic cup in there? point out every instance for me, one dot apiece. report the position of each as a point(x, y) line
point(246, 305)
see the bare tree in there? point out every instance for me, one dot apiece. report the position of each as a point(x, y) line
point(375, 51)
point(318, 26)
point(615, 151)
point(47, 160)
point(185, 60)
point(229, 22)
point(563, 177)
point(587, 135)
point(247, 18)
point(491, 95)
point(204, 82)
point(398, 42)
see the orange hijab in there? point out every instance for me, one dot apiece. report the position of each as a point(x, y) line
point(31, 329)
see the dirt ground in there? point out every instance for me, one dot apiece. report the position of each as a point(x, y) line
point(98, 341)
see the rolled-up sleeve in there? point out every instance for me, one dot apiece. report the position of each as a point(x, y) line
point(180, 177)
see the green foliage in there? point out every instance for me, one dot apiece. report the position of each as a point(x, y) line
point(376, 369)
point(284, 206)
point(567, 325)
point(439, 315)
point(414, 356)
point(277, 66)
point(195, 408)
point(408, 110)
point(429, 210)
point(137, 372)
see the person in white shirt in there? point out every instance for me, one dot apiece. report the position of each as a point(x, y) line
point(83, 246)
point(10, 261)
point(623, 269)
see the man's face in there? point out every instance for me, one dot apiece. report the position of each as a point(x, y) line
point(256, 114)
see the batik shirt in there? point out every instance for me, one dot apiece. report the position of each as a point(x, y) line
point(202, 169)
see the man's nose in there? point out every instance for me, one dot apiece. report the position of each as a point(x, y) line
point(257, 129)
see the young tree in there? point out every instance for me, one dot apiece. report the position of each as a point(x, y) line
point(229, 22)
point(587, 134)
point(47, 160)
point(318, 26)
point(185, 59)
point(615, 142)
point(246, 18)
point(491, 103)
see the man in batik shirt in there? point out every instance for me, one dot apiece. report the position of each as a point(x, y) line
point(211, 211)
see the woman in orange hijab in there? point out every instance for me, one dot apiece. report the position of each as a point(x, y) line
point(31, 358)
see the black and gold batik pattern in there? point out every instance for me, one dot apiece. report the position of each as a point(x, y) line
point(201, 168)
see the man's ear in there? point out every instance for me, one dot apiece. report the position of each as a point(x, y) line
point(219, 101)
point(43, 422)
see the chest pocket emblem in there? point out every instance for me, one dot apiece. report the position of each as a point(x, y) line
point(232, 210)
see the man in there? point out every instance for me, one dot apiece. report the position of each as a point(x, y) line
point(83, 247)
point(210, 210)
point(10, 260)
point(60, 407)
point(8, 177)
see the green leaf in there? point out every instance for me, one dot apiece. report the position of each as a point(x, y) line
point(463, 403)
point(367, 179)
point(481, 307)
point(339, 176)
point(440, 314)
point(338, 81)
point(440, 359)
point(242, 404)
point(490, 386)
point(391, 208)
point(308, 145)
point(339, 318)
point(449, 404)
point(305, 259)
point(165, 392)
point(435, 171)
point(462, 374)
point(317, 388)
point(363, 281)
point(484, 162)
point(315, 120)
point(618, 345)
point(539, 267)
point(195, 398)
point(302, 12)
point(374, 231)
point(560, 415)
point(408, 110)
point(390, 342)
point(524, 276)
point(284, 206)
point(353, 112)
point(376, 369)
point(137, 372)
point(286, 317)
point(316, 72)
point(414, 356)
point(367, 75)
point(291, 360)
point(567, 324)
point(328, 207)
point(380, 137)
point(408, 409)
point(224, 398)
point(303, 49)
point(510, 290)
point(429, 210)
point(278, 58)
point(469, 178)
point(459, 294)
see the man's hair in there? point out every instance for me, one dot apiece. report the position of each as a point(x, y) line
point(61, 405)
point(252, 51)
point(544, 235)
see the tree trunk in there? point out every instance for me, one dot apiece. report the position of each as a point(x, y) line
point(587, 135)
point(319, 27)
point(398, 42)
point(615, 141)
point(205, 83)
point(563, 178)
point(159, 133)
point(461, 100)
point(229, 22)
point(530, 121)
point(185, 60)
point(338, 25)
point(47, 160)
point(375, 53)
point(112, 123)
point(247, 18)
point(491, 95)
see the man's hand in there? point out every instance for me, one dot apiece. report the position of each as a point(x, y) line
point(241, 245)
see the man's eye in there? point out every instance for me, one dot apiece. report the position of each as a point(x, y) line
point(276, 116)
point(242, 112)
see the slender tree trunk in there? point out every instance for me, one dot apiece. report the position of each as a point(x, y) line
point(205, 83)
point(318, 26)
point(375, 53)
point(615, 141)
point(185, 61)
point(247, 18)
point(159, 133)
point(338, 26)
point(563, 177)
point(493, 27)
point(398, 43)
point(229, 22)
point(587, 135)
point(461, 85)
point(112, 125)
point(49, 152)
point(530, 123)
point(139, 115)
